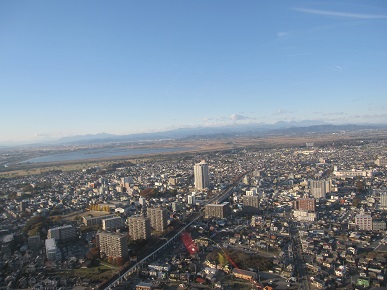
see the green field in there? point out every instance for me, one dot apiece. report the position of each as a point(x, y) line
point(99, 273)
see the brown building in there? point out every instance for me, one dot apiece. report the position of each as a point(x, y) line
point(144, 286)
point(221, 210)
point(243, 274)
point(308, 204)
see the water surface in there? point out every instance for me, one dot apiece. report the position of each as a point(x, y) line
point(101, 153)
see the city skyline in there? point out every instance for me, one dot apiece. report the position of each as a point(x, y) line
point(73, 68)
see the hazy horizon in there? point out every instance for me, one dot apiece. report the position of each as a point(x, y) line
point(124, 67)
point(192, 131)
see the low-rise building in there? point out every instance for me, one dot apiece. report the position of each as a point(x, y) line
point(95, 221)
point(244, 274)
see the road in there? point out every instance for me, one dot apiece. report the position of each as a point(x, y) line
point(298, 258)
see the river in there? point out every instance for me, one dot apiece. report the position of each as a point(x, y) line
point(101, 153)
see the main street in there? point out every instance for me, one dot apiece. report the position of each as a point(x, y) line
point(298, 258)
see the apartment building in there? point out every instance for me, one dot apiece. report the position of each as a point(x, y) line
point(139, 228)
point(62, 234)
point(112, 223)
point(221, 210)
point(113, 245)
point(158, 218)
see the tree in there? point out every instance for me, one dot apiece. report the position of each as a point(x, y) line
point(149, 192)
point(359, 184)
point(222, 260)
point(355, 201)
point(57, 219)
point(27, 188)
point(93, 253)
point(120, 261)
point(36, 224)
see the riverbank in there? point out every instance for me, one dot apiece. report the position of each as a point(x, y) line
point(190, 147)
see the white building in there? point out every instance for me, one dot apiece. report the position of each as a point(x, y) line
point(63, 234)
point(52, 251)
point(383, 200)
point(364, 222)
point(252, 192)
point(112, 223)
point(319, 188)
point(381, 161)
point(142, 201)
point(304, 216)
point(201, 175)
point(351, 173)
point(191, 199)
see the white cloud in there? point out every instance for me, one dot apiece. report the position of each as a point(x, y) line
point(236, 117)
point(371, 116)
point(335, 68)
point(282, 34)
point(281, 112)
point(330, 114)
point(377, 107)
point(340, 14)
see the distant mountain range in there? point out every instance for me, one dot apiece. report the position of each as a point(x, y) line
point(253, 129)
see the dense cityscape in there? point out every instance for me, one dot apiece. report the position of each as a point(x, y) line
point(185, 145)
point(301, 217)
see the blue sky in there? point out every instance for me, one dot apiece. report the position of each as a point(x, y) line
point(85, 67)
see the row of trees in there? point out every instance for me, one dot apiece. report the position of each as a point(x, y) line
point(99, 207)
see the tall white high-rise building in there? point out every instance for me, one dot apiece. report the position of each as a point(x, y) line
point(52, 251)
point(319, 188)
point(383, 200)
point(201, 175)
point(191, 199)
